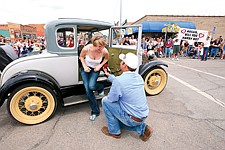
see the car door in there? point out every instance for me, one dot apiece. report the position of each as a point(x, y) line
point(64, 44)
point(116, 47)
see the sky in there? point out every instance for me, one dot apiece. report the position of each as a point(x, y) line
point(42, 11)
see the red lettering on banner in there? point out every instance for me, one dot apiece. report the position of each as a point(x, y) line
point(183, 31)
point(201, 35)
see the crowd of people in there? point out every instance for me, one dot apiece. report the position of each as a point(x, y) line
point(175, 48)
point(26, 46)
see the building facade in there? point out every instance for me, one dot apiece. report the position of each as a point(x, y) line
point(14, 31)
point(39, 29)
point(214, 24)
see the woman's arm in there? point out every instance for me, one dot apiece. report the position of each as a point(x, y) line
point(106, 58)
point(82, 55)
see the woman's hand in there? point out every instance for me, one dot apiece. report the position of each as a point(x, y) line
point(87, 69)
point(97, 68)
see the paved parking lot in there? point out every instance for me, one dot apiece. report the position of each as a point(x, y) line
point(188, 114)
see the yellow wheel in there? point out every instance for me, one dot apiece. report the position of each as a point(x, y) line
point(155, 81)
point(32, 103)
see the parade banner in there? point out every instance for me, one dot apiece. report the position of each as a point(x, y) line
point(192, 35)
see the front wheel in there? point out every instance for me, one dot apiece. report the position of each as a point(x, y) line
point(32, 103)
point(155, 81)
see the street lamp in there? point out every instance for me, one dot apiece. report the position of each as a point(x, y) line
point(166, 25)
point(166, 30)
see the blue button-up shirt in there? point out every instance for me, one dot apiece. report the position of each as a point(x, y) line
point(128, 89)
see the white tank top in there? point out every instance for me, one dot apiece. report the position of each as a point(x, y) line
point(92, 62)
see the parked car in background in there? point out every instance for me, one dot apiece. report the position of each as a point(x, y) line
point(7, 55)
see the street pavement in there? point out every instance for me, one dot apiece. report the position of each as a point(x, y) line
point(188, 114)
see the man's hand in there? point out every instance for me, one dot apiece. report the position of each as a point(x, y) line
point(106, 71)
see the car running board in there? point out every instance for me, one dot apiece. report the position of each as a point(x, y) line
point(78, 99)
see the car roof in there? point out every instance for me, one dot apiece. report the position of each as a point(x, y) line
point(83, 24)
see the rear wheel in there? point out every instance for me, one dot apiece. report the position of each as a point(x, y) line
point(32, 103)
point(155, 81)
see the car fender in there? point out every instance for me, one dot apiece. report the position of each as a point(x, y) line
point(28, 77)
point(148, 66)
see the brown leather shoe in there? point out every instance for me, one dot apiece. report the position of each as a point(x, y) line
point(147, 134)
point(106, 132)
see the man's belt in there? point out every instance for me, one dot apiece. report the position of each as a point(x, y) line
point(136, 119)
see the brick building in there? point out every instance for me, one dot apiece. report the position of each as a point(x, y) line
point(15, 31)
point(39, 29)
point(201, 22)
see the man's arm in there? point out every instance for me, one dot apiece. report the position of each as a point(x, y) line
point(115, 91)
point(111, 77)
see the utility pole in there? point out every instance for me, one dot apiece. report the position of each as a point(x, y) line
point(120, 12)
point(120, 18)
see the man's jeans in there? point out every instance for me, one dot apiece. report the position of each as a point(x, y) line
point(117, 118)
point(90, 84)
point(214, 51)
point(205, 53)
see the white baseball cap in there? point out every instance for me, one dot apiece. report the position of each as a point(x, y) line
point(130, 59)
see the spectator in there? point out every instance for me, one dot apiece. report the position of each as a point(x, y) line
point(223, 52)
point(24, 50)
point(185, 48)
point(215, 48)
point(61, 41)
point(30, 45)
point(200, 50)
point(193, 52)
point(176, 48)
point(36, 47)
point(126, 41)
point(42, 44)
point(143, 43)
point(206, 49)
point(70, 42)
point(168, 46)
point(19, 46)
point(133, 41)
point(160, 47)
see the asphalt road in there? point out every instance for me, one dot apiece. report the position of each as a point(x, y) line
point(188, 114)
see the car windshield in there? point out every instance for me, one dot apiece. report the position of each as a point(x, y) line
point(125, 37)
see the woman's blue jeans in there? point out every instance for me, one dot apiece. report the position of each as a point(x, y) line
point(167, 52)
point(117, 118)
point(90, 84)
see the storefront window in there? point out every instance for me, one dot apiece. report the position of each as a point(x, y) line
point(17, 34)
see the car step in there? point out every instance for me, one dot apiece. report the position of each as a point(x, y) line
point(78, 99)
